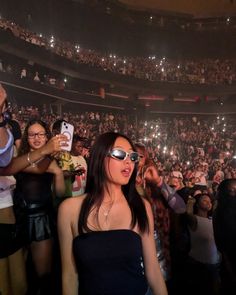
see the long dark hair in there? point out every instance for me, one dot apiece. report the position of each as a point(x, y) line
point(226, 192)
point(24, 146)
point(96, 178)
point(224, 217)
point(198, 199)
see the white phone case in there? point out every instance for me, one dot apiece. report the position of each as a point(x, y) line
point(68, 130)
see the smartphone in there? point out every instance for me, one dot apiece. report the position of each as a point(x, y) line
point(68, 130)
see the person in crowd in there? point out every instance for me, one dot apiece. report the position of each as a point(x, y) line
point(218, 176)
point(11, 282)
point(15, 129)
point(64, 161)
point(204, 258)
point(200, 178)
point(176, 171)
point(36, 77)
point(33, 193)
point(12, 264)
point(80, 166)
point(224, 219)
point(23, 73)
point(106, 236)
point(86, 149)
point(232, 167)
point(6, 141)
point(162, 198)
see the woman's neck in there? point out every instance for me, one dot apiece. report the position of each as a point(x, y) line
point(202, 213)
point(112, 193)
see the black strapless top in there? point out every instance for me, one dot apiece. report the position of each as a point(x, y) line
point(110, 263)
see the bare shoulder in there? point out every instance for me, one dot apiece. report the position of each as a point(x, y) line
point(147, 205)
point(71, 206)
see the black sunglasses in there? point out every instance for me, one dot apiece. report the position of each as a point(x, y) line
point(122, 155)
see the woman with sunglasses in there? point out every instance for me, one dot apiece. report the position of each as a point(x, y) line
point(106, 236)
point(33, 194)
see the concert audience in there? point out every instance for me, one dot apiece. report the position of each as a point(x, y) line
point(201, 71)
point(193, 154)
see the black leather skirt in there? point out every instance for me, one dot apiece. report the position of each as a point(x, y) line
point(40, 222)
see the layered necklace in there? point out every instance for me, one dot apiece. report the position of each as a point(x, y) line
point(105, 210)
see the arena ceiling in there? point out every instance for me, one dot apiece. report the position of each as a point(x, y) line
point(197, 8)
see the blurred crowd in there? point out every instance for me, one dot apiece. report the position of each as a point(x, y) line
point(153, 68)
point(183, 143)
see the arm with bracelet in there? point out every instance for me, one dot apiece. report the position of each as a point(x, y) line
point(35, 161)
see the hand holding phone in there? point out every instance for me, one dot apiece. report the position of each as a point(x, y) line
point(68, 130)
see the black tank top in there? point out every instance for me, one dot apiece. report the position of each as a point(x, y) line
point(110, 263)
point(34, 188)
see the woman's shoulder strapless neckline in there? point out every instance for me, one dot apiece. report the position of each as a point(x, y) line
point(109, 232)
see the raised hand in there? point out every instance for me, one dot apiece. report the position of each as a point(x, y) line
point(151, 175)
point(55, 144)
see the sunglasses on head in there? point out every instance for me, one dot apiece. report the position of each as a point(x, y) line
point(122, 155)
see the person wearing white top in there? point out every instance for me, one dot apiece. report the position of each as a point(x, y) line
point(204, 258)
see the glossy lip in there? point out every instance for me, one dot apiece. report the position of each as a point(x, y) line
point(37, 142)
point(126, 172)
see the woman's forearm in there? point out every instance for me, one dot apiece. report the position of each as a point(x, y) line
point(70, 285)
point(4, 136)
point(59, 184)
point(20, 163)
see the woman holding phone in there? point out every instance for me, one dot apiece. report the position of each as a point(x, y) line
point(12, 264)
point(34, 193)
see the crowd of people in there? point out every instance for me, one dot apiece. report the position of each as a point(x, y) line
point(138, 205)
point(189, 141)
point(136, 213)
point(153, 68)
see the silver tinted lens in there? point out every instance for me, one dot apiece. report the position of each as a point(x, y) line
point(134, 157)
point(118, 154)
